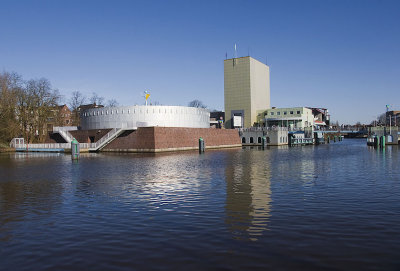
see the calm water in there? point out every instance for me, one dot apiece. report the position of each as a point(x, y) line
point(331, 207)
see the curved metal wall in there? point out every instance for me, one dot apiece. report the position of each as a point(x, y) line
point(144, 116)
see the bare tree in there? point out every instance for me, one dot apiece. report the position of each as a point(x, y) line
point(96, 99)
point(77, 99)
point(10, 85)
point(381, 119)
point(40, 103)
point(197, 103)
point(112, 103)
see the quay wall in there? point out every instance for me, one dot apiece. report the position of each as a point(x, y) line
point(159, 139)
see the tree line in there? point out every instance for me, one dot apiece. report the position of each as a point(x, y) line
point(27, 105)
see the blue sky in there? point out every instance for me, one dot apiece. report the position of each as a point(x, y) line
point(342, 55)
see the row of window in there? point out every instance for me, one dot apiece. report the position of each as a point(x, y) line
point(284, 113)
point(282, 139)
point(251, 139)
point(98, 113)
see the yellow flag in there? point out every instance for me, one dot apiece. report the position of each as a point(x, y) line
point(147, 96)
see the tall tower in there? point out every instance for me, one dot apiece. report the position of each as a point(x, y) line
point(246, 91)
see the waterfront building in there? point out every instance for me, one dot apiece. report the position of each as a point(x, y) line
point(276, 136)
point(292, 117)
point(321, 117)
point(246, 91)
point(144, 129)
point(393, 118)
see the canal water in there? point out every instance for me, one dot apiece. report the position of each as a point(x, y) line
point(331, 207)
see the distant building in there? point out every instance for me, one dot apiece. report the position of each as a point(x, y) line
point(393, 118)
point(61, 116)
point(246, 91)
point(321, 116)
point(294, 117)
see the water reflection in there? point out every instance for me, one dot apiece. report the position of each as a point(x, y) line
point(22, 199)
point(248, 194)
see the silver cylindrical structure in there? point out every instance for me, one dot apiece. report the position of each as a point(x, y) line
point(144, 116)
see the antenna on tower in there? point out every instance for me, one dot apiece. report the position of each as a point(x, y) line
point(235, 51)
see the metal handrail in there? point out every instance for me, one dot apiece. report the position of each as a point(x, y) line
point(50, 146)
point(64, 132)
point(106, 138)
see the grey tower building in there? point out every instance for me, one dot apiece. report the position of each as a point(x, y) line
point(246, 91)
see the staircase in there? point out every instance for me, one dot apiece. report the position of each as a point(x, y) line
point(64, 132)
point(110, 136)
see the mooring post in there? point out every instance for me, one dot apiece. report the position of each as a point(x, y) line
point(264, 142)
point(383, 141)
point(201, 145)
point(75, 149)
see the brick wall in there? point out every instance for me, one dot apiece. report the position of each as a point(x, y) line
point(167, 138)
point(142, 138)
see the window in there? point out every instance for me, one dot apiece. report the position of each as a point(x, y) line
point(259, 139)
point(291, 112)
point(243, 140)
point(129, 111)
point(298, 112)
point(278, 113)
point(272, 113)
point(251, 140)
point(284, 113)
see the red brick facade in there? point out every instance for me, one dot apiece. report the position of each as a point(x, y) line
point(156, 139)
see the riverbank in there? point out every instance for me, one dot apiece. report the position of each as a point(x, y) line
point(5, 148)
